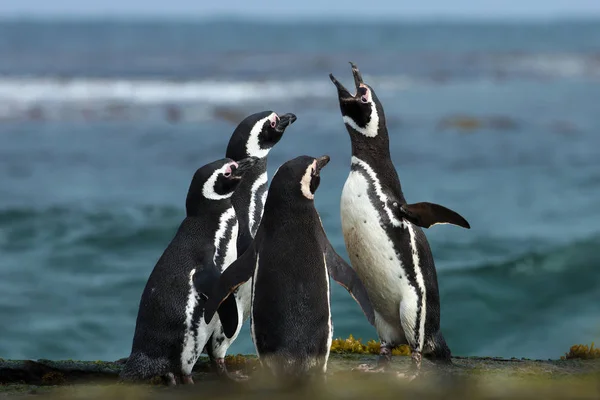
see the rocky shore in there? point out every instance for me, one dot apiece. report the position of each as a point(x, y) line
point(467, 377)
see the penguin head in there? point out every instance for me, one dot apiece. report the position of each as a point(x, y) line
point(217, 181)
point(362, 112)
point(256, 135)
point(299, 177)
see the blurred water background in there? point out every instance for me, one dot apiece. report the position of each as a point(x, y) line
point(103, 123)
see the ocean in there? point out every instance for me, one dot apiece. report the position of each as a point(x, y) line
point(103, 123)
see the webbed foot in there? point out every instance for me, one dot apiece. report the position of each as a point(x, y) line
point(187, 379)
point(383, 361)
point(222, 372)
point(415, 370)
point(170, 377)
point(370, 368)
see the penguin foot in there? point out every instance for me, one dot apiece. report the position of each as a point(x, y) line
point(415, 370)
point(238, 376)
point(385, 354)
point(370, 368)
point(171, 379)
point(187, 379)
point(230, 376)
point(409, 376)
point(383, 361)
point(416, 358)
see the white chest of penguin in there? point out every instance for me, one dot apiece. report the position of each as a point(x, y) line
point(371, 251)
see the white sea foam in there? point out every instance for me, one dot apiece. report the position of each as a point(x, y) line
point(555, 65)
point(90, 98)
point(35, 90)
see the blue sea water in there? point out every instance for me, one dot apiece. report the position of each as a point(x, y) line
point(103, 123)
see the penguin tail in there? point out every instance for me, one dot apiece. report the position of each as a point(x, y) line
point(140, 367)
point(438, 351)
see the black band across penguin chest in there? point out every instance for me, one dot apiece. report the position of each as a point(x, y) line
point(257, 200)
point(399, 235)
point(225, 239)
point(386, 251)
point(248, 201)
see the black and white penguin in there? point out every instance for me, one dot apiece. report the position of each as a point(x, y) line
point(170, 332)
point(255, 136)
point(289, 264)
point(383, 237)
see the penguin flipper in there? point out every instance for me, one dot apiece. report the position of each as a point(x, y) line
point(228, 315)
point(344, 275)
point(238, 273)
point(426, 214)
point(206, 279)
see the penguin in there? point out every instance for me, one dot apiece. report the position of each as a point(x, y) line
point(170, 331)
point(255, 136)
point(384, 239)
point(289, 263)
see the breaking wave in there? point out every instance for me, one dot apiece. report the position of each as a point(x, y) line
point(91, 98)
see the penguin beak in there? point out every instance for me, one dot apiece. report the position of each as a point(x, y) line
point(357, 76)
point(343, 93)
point(243, 166)
point(321, 162)
point(285, 121)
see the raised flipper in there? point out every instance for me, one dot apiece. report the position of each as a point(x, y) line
point(426, 215)
point(344, 274)
point(239, 272)
point(205, 280)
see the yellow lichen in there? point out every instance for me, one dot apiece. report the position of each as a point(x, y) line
point(235, 360)
point(53, 378)
point(402, 350)
point(355, 346)
point(582, 351)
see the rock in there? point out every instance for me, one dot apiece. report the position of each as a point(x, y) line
point(468, 123)
point(501, 123)
point(564, 127)
point(461, 122)
point(467, 377)
point(173, 114)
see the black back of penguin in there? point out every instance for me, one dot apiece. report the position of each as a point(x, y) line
point(291, 314)
point(291, 261)
point(159, 331)
point(255, 136)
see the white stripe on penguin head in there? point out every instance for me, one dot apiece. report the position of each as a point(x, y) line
point(253, 145)
point(208, 190)
point(372, 127)
point(305, 181)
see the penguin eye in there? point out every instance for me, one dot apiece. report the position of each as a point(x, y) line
point(274, 123)
point(364, 99)
point(227, 174)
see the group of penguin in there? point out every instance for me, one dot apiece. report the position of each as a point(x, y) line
point(248, 251)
